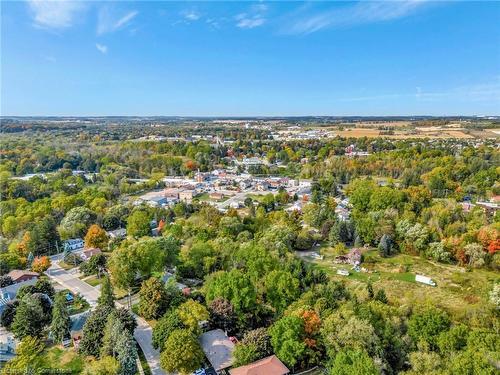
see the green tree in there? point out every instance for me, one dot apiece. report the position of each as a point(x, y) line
point(287, 339)
point(138, 224)
point(93, 330)
point(61, 323)
point(255, 344)
point(30, 318)
point(348, 362)
point(192, 313)
point(76, 222)
point(164, 328)
point(8, 313)
point(106, 297)
point(281, 289)
point(126, 354)
point(428, 325)
point(28, 357)
point(112, 332)
point(181, 353)
point(153, 299)
point(233, 286)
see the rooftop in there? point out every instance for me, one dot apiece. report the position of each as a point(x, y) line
point(266, 366)
point(218, 349)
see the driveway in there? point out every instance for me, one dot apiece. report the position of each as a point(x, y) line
point(143, 332)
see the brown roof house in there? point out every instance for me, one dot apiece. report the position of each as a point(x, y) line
point(267, 366)
point(19, 276)
point(88, 253)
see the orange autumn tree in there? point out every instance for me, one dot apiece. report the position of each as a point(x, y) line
point(23, 246)
point(490, 239)
point(96, 237)
point(40, 264)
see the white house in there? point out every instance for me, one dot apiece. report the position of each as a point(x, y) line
point(73, 244)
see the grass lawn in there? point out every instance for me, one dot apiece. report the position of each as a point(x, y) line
point(92, 280)
point(60, 358)
point(66, 266)
point(461, 292)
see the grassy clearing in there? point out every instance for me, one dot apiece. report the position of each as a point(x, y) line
point(61, 358)
point(461, 292)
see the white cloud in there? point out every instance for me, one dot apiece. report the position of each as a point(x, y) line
point(305, 22)
point(54, 14)
point(101, 48)
point(191, 15)
point(250, 23)
point(255, 17)
point(108, 21)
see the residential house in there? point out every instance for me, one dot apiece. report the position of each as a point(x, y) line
point(19, 276)
point(216, 196)
point(8, 293)
point(73, 244)
point(218, 349)
point(266, 366)
point(117, 233)
point(88, 253)
point(7, 345)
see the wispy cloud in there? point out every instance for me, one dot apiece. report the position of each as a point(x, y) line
point(245, 22)
point(101, 48)
point(191, 15)
point(108, 21)
point(478, 92)
point(54, 14)
point(255, 17)
point(307, 20)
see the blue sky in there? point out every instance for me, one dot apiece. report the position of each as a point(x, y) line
point(250, 58)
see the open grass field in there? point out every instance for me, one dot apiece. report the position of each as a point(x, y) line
point(63, 359)
point(462, 293)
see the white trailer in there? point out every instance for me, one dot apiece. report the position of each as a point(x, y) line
point(424, 280)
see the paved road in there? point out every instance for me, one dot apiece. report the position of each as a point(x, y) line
point(143, 332)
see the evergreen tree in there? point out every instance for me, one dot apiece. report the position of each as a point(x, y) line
point(29, 319)
point(106, 298)
point(381, 296)
point(93, 330)
point(369, 288)
point(61, 323)
point(126, 354)
point(112, 332)
point(385, 246)
point(127, 319)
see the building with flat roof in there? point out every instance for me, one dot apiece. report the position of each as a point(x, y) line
point(218, 349)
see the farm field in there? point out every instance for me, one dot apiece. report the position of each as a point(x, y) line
point(461, 292)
